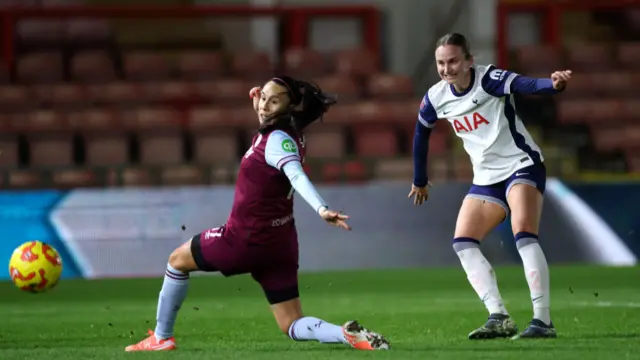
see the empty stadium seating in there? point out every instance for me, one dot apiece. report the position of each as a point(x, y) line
point(603, 95)
point(78, 109)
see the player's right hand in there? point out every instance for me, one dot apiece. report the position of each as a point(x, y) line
point(254, 94)
point(335, 218)
point(560, 79)
point(420, 194)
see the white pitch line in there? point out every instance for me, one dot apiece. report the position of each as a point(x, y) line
point(608, 304)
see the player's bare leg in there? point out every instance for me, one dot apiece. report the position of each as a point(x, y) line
point(291, 321)
point(476, 219)
point(525, 202)
point(173, 293)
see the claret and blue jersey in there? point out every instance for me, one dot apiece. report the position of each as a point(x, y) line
point(484, 117)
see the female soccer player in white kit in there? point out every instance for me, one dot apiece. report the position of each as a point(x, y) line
point(509, 175)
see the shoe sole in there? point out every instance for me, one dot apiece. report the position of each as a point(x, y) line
point(378, 340)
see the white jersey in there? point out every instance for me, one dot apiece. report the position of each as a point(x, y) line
point(484, 117)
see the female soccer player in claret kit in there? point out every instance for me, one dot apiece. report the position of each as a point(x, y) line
point(509, 175)
point(260, 237)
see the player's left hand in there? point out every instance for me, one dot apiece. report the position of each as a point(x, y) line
point(335, 218)
point(560, 79)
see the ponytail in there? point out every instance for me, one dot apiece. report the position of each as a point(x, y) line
point(310, 100)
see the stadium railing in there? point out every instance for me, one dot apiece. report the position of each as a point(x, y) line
point(294, 19)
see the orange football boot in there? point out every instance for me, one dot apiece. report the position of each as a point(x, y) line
point(151, 343)
point(362, 339)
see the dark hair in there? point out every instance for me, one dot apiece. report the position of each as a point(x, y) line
point(308, 97)
point(456, 39)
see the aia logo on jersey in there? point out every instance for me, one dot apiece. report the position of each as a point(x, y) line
point(469, 123)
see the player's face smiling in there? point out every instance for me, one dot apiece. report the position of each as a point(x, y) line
point(453, 67)
point(273, 100)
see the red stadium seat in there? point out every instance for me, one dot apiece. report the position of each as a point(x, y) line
point(88, 30)
point(375, 141)
point(346, 88)
point(403, 111)
point(74, 178)
point(120, 93)
point(603, 110)
point(159, 134)
point(632, 137)
point(25, 179)
point(137, 176)
point(609, 84)
point(325, 141)
point(628, 55)
point(331, 172)
point(440, 167)
point(355, 171)
point(462, 168)
point(438, 141)
point(338, 115)
point(40, 32)
point(106, 141)
point(39, 68)
point(181, 175)
point(572, 111)
point(49, 136)
point(200, 65)
point(582, 85)
point(8, 150)
point(146, 65)
point(226, 92)
point(15, 97)
point(538, 58)
point(214, 139)
point(62, 95)
point(394, 169)
point(383, 86)
point(255, 66)
point(592, 56)
point(173, 92)
point(305, 63)
point(92, 66)
point(356, 62)
point(607, 138)
point(631, 110)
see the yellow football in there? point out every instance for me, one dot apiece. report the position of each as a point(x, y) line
point(35, 267)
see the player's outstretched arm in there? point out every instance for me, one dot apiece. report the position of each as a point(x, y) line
point(282, 153)
point(499, 83)
point(303, 186)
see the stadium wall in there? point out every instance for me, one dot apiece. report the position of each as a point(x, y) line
point(130, 232)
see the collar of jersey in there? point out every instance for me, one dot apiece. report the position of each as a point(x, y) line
point(471, 83)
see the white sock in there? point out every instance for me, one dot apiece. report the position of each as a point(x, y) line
point(537, 272)
point(173, 293)
point(310, 328)
point(480, 274)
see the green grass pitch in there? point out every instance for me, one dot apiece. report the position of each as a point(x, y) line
point(425, 313)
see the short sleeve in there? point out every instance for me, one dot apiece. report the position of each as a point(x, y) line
point(427, 114)
point(280, 149)
point(497, 82)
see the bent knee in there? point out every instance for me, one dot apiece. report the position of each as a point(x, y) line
point(521, 223)
point(181, 258)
